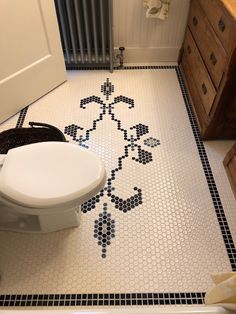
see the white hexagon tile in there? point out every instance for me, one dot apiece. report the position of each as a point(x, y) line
point(157, 230)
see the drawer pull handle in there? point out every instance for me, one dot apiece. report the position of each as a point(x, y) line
point(213, 58)
point(195, 21)
point(221, 25)
point(189, 49)
point(204, 89)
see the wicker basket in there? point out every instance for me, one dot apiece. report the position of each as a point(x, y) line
point(39, 132)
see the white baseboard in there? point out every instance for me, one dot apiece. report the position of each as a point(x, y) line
point(145, 55)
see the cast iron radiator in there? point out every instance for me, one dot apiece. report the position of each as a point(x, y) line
point(86, 32)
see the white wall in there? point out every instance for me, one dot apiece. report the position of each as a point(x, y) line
point(149, 40)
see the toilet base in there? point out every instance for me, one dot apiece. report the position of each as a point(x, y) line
point(16, 222)
point(54, 222)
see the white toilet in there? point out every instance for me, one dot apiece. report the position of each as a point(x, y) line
point(42, 186)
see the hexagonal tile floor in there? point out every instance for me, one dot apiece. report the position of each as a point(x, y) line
point(156, 231)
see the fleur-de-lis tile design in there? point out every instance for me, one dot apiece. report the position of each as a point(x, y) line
point(133, 141)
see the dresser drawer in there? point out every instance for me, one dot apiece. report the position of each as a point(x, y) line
point(198, 106)
point(201, 77)
point(209, 45)
point(221, 21)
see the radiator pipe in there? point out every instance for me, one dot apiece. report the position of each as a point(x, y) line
point(111, 52)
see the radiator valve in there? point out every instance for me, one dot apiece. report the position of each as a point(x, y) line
point(121, 57)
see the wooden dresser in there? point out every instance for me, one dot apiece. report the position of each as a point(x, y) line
point(208, 60)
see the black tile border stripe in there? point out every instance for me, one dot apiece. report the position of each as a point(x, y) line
point(129, 299)
point(106, 299)
point(219, 210)
point(132, 67)
point(21, 118)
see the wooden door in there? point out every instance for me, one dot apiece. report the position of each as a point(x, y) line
point(31, 58)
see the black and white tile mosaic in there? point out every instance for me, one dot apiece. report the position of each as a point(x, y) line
point(148, 229)
point(131, 143)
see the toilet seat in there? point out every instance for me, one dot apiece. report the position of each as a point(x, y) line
point(71, 173)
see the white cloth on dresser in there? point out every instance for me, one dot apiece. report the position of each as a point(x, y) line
point(157, 8)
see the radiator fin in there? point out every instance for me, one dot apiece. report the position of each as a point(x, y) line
point(86, 32)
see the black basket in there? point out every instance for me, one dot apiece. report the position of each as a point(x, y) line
point(39, 132)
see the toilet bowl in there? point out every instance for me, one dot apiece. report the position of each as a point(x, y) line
point(43, 185)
